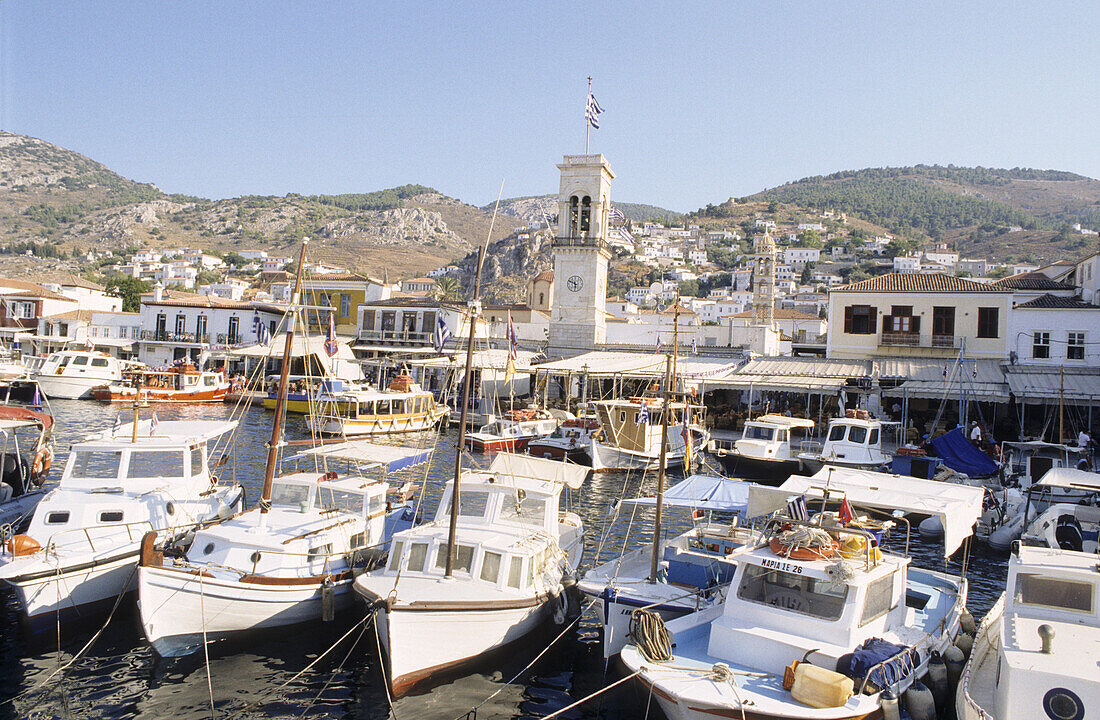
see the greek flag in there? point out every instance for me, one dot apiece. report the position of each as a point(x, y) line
point(617, 215)
point(643, 414)
point(548, 220)
point(117, 426)
point(626, 234)
point(796, 509)
point(592, 111)
point(441, 335)
point(694, 347)
point(37, 401)
point(263, 337)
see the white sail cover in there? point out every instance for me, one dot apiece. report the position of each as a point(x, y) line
point(513, 465)
point(957, 506)
point(703, 492)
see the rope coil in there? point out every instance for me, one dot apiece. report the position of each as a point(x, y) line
point(650, 635)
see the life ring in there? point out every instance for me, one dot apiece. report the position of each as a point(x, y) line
point(43, 459)
point(802, 553)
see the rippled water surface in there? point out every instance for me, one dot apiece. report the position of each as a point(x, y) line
point(265, 675)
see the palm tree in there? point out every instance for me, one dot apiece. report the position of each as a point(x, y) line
point(447, 289)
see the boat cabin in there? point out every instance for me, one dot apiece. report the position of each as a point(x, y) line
point(769, 436)
point(626, 427)
point(1030, 460)
point(853, 441)
point(81, 362)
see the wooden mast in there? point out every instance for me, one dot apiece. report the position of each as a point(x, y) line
point(475, 310)
point(280, 395)
point(666, 412)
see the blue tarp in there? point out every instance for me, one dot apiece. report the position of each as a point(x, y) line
point(705, 492)
point(960, 455)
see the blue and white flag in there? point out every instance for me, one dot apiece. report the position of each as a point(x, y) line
point(592, 111)
point(441, 335)
point(117, 426)
point(626, 234)
point(548, 220)
point(263, 336)
point(37, 401)
point(796, 508)
point(617, 215)
point(694, 347)
point(153, 423)
point(643, 414)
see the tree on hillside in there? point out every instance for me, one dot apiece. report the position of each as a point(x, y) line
point(129, 289)
point(447, 289)
point(809, 238)
point(807, 274)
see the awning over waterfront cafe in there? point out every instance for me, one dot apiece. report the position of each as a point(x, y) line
point(1040, 384)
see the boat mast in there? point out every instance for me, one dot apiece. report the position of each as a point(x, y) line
point(666, 412)
point(1061, 403)
point(280, 395)
point(475, 310)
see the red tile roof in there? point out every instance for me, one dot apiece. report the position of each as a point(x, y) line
point(1056, 302)
point(915, 282)
point(1034, 280)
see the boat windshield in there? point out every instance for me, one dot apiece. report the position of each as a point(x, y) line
point(792, 592)
point(1054, 592)
point(524, 510)
point(472, 503)
point(836, 433)
point(343, 500)
point(289, 495)
point(155, 463)
point(758, 432)
point(96, 464)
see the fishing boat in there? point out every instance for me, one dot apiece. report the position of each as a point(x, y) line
point(818, 621)
point(687, 573)
point(851, 442)
point(81, 548)
point(25, 462)
point(763, 452)
point(402, 407)
point(515, 552)
point(631, 433)
point(571, 441)
point(183, 383)
point(293, 566)
point(1036, 650)
point(73, 373)
point(513, 432)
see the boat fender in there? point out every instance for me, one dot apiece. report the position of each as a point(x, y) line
point(328, 600)
point(888, 703)
point(967, 623)
point(150, 556)
point(930, 527)
point(560, 607)
point(965, 642)
point(919, 702)
point(936, 680)
point(20, 545)
point(956, 662)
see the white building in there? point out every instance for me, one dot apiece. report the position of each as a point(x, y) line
point(797, 257)
point(1056, 331)
point(909, 263)
point(229, 288)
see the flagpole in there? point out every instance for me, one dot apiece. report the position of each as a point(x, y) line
point(587, 124)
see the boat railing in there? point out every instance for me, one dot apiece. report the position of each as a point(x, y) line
point(984, 635)
point(869, 542)
point(110, 535)
point(810, 446)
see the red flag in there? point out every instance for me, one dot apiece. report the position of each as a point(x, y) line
point(845, 515)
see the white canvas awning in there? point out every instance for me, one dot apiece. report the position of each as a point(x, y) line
point(392, 457)
point(1070, 478)
point(935, 379)
point(958, 507)
point(1042, 384)
point(703, 492)
point(606, 363)
point(513, 465)
point(780, 383)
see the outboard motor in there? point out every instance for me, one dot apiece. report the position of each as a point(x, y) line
point(1067, 532)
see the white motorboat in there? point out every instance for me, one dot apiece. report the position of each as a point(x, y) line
point(693, 568)
point(630, 437)
point(73, 373)
point(513, 432)
point(515, 551)
point(1037, 649)
point(1059, 487)
point(850, 442)
point(82, 546)
point(820, 605)
point(294, 565)
point(764, 449)
point(24, 464)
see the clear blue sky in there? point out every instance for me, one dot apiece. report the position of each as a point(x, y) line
point(702, 100)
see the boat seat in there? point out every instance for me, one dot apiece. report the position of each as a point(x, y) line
point(1068, 533)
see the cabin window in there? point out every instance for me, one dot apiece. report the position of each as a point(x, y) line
point(358, 540)
point(80, 360)
point(781, 435)
point(59, 517)
point(99, 362)
point(515, 573)
point(208, 381)
point(472, 504)
point(622, 416)
point(366, 408)
point(490, 567)
point(418, 553)
point(320, 551)
point(377, 504)
point(792, 592)
point(110, 516)
point(836, 433)
point(463, 557)
point(395, 555)
point(857, 435)
point(196, 460)
point(880, 593)
point(874, 437)
point(349, 502)
point(155, 463)
point(529, 511)
point(96, 464)
point(289, 495)
point(398, 406)
point(755, 432)
point(383, 407)
point(1054, 592)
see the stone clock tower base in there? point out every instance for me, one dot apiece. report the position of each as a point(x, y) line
point(581, 254)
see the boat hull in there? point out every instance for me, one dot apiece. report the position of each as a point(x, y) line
point(765, 470)
point(75, 592)
point(607, 458)
point(179, 608)
point(499, 444)
point(70, 388)
point(117, 394)
point(352, 427)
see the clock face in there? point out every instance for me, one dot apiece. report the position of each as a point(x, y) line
point(574, 283)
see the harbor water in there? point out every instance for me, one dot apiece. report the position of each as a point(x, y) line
point(282, 673)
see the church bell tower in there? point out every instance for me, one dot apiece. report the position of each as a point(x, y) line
point(581, 254)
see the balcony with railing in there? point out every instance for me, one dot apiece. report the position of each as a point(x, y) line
point(175, 337)
point(916, 340)
point(395, 337)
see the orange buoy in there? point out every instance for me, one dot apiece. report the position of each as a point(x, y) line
point(22, 545)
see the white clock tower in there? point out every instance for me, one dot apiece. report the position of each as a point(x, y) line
point(581, 253)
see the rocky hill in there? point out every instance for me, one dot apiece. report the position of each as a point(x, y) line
point(533, 209)
point(56, 202)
